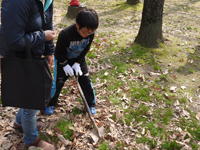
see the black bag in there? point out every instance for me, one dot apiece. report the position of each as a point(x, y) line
point(25, 83)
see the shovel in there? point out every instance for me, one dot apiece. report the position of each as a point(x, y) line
point(97, 132)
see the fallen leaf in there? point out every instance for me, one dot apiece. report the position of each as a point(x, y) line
point(50, 132)
point(105, 40)
point(198, 115)
point(173, 88)
point(143, 131)
point(141, 76)
point(63, 140)
point(154, 74)
point(117, 114)
point(183, 87)
point(191, 61)
point(106, 73)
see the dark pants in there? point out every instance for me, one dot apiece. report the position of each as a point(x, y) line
point(84, 81)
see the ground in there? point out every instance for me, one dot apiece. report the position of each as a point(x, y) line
point(180, 26)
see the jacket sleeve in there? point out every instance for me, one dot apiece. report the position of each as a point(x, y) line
point(49, 45)
point(14, 21)
point(60, 50)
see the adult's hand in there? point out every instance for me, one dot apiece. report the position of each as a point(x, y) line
point(49, 35)
point(50, 59)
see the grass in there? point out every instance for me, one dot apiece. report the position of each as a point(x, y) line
point(103, 146)
point(148, 141)
point(64, 127)
point(116, 49)
point(146, 102)
point(76, 111)
point(171, 145)
point(140, 91)
point(154, 119)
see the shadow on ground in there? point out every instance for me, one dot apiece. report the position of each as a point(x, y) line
point(193, 63)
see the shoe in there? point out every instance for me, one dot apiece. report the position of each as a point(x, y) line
point(19, 127)
point(42, 144)
point(49, 110)
point(92, 110)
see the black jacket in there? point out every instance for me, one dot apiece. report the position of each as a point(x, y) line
point(25, 18)
point(71, 46)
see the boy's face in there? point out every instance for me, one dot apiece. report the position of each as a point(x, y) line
point(84, 32)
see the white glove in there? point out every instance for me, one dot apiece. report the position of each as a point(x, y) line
point(77, 69)
point(68, 70)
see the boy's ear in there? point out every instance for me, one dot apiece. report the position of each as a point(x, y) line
point(77, 26)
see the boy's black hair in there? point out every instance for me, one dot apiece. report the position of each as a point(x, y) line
point(87, 18)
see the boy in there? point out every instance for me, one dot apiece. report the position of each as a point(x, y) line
point(72, 46)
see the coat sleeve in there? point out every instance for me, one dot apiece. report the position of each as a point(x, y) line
point(60, 50)
point(14, 19)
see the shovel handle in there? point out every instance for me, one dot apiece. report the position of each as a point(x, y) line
point(87, 107)
point(83, 97)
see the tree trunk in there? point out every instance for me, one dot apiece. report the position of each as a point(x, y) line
point(150, 33)
point(132, 2)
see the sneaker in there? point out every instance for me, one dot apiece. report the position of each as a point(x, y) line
point(92, 110)
point(49, 110)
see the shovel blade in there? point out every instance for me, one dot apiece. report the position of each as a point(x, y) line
point(102, 131)
point(97, 133)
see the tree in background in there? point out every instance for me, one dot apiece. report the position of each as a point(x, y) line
point(150, 32)
point(132, 2)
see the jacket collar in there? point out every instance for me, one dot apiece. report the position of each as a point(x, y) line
point(47, 4)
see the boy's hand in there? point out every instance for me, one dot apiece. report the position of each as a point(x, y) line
point(68, 70)
point(77, 69)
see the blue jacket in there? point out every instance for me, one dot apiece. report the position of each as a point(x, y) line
point(25, 18)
